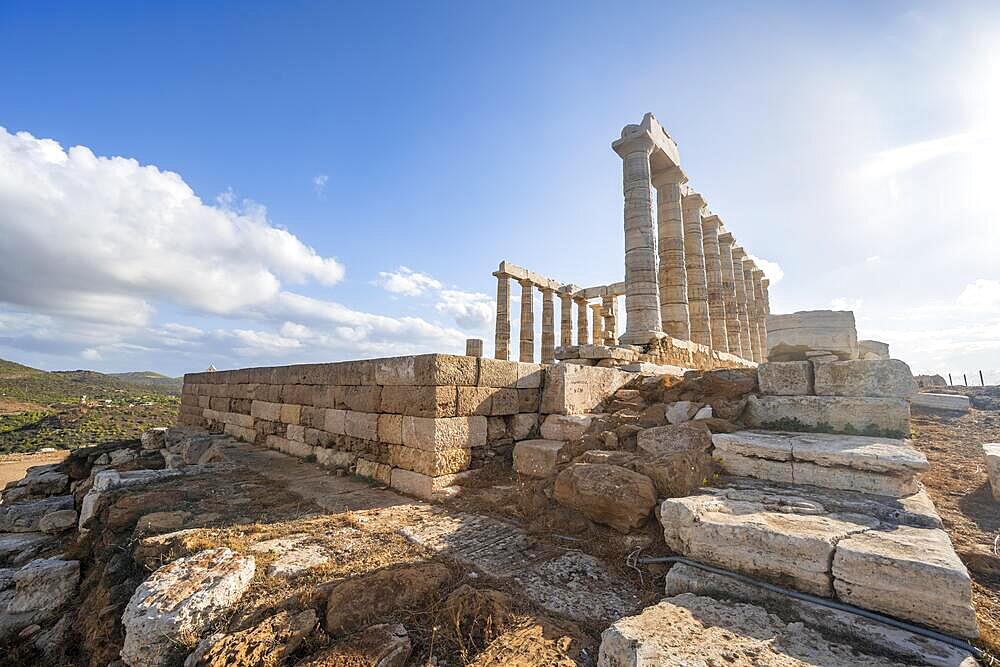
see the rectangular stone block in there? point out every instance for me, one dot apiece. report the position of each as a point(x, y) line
point(843, 414)
point(379, 472)
point(329, 396)
point(334, 421)
point(396, 371)
point(318, 438)
point(991, 456)
point(296, 432)
point(362, 399)
point(445, 369)
point(790, 336)
point(240, 405)
point(290, 414)
point(290, 447)
point(498, 373)
point(298, 394)
point(362, 425)
point(219, 404)
point(537, 458)
point(475, 400)
point(433, 463)
point(266, 410)
point(417, 484)
point(506, 401)
point(572, 389)
point(312, 417)
point(433, 434)
point(865, 377)
point(530, 376)
point(390, 429)
point(943, 402)
point(420, 401)
point(785, 378)
point(332, 458)
point(240, 433)
point(267, 392)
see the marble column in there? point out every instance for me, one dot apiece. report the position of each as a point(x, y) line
point(502, 346)
point(609, 310)
point(527, 321)
point(565, 319)
point(672, 276)
point(582, 316)
point(764, 285)
point(741, 302)
point(598, 326)
point(548, 326)
point(758, 295)
point(713, 272)
point(729, 294)
point(752, 313)
point(473, 347)
point(642, 301)
point(694, 262)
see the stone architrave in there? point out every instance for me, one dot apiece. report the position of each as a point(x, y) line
point(741, 301)
point(582, 320)
point(694, 261)
point(672, 275)
point(758, 295)
point(527, 321)
point(642, 301)
point(598, 328)
point(752, 312)
point(609, 310)
point(565, 319)
point(713, 272)
point(729, 294)
point(502, 350)
point(548, 327)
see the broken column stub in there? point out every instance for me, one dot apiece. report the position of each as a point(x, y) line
point(790, 337)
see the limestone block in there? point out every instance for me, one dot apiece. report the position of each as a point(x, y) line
point(439, 433)
point(529, 400)
point(888, 416)
point(864, 377)
point(497, 429)
point(677, 458)
point(537, 458)
point(43, 585)
point(181, 600)
point(57, 522)
point(362, 425)
point(417, 484)
point(291, 447)
point(290, 414)
point(335, 421)
point(390, 429)
point(419, 401)
point(333, 458)
point(607, 494)
point(296, 432)
point(498, 373)
point(565, 427)
point(266, 410)
point(317, 438)
point(298, 394)
point(393, 371)
point(910, 573)
point(380, 472)
point(873, 349)
point(991, 453)
point(363, 399)
point(430, 462)
point(680, 412)
point(942, 402)
point(445, 369)
point(790, 336)
point(785, 378)
point(475, 400)
point(154, 438)
point(571, 389)
point(530, 376)
point(506, 401)
point(24, 517)
point(524, 425)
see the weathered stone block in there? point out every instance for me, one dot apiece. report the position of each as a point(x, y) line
point(266, 410)
point(417, 484)
point(530, 376)
point(991, 454)
point(335, 421)
point(390, 429)
point(333, 458)
point(475, 400)
point(363, 399)
point(362, 425)
point(290, 414)
point(296, 432)
point(861, 377)
point(433, 463)
point(395, 371)
point(529, 400)
point(445, 369)
point(873, 349)
point(565, 427)
point(785, 378)
point(677, 458)
point(419, 401)
point(312, 417)
point(432, 434)
point(537, 458)
point(942, 402)
point(498, 373)
point(884, 416)
point(291, 447)
point(506, 401)
point(791, 336)
point(380, 472)
point(524, 425)
point(573, 389)
point(607, 494)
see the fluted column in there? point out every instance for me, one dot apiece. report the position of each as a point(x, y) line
point(729, 294)
point(741, 302)
point(694, 262)
point(548, 326)
point(502, 341)
point(582, 330)
point(609, 311)
point(752, 313)
point(598, 325)
point(565, 319)
point(758, 295)
point(713, 273)
point(527, 321)
point(642, 302)
point(764, 284)
point(672, 274)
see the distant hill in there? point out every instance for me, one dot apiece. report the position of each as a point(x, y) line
point(150, 378)
point(24, 382)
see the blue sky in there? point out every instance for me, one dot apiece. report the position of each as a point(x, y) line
point(315, 146)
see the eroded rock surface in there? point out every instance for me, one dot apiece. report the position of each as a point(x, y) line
point(607, 494)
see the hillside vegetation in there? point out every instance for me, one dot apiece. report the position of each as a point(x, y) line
point(69, 409)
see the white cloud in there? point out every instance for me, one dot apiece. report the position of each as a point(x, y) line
point(105, 238)
point(319, 183)
point(982, 295)
point(845, 303)
point(91, 354)
point(471, 310)
point(772, 270)
point(406, 281)
point(874, 259)
point(904, 158)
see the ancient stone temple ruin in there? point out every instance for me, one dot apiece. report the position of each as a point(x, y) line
point(693, 298)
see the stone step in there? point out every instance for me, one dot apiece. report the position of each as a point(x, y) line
point(690, 629)
point(838, 414)
point(883, 466)
point(852, 549)
point(941, 402)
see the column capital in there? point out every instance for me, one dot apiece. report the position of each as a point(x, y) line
point(765, 283)
point(526, 283)
point(634, 143)
point(501, 274)
point(579, 300)
point(547, 291)
point(739, 253)
point(670, 176)
point(711, 220)
point(726, 238)
point(693, 199)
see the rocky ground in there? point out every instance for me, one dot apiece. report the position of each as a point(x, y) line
point(958, 485)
